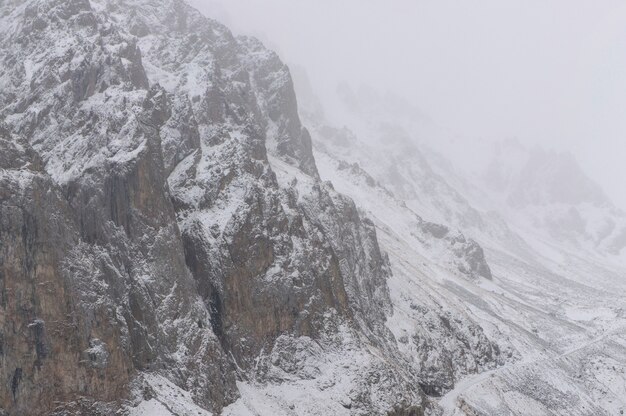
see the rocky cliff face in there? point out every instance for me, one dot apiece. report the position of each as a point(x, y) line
point(161, 215)
point(126, 301)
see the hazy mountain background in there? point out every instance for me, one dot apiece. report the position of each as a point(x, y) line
point(547, 73)
point(414, 218)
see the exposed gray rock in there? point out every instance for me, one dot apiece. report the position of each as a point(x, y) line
point(470, 257)
point(143, 228)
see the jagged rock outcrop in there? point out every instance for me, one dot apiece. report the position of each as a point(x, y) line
point(145, 229)
point(131, 301)
point(469, 256)
point(441, 345)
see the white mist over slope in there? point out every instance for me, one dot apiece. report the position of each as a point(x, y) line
point(548, 73)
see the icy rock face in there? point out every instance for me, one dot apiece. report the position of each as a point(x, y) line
point(76, 89)
point(469, 254)
point(62, 336)
point(34, 320)
point(440, 343)
point(144, 226)
point(465, 254)
point(261, 253)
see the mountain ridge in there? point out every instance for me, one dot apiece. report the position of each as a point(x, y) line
point(171, 245)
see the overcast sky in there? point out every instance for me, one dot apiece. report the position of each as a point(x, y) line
point(545, 71)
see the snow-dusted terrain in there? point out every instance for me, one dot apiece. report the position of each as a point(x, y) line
point(556, 305)
point(182, 233)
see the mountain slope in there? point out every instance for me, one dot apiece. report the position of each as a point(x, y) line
point(189, 262)
point(169, 246)
point(555, 309)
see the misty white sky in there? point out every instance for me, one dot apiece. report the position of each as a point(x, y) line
point(545, 71)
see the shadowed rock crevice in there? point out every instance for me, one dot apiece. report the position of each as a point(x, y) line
point(147, 230)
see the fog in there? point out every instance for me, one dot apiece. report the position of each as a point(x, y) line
point(546, 72)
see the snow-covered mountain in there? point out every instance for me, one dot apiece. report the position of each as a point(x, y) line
point(170, 242)
point(551, 192)
point(555, 298)
point(151, 250)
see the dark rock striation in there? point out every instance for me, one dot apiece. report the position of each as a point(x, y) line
point(144, 229)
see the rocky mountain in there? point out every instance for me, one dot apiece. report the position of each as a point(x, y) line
point(554, 306)
point(170, 243)
point(165, 232)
